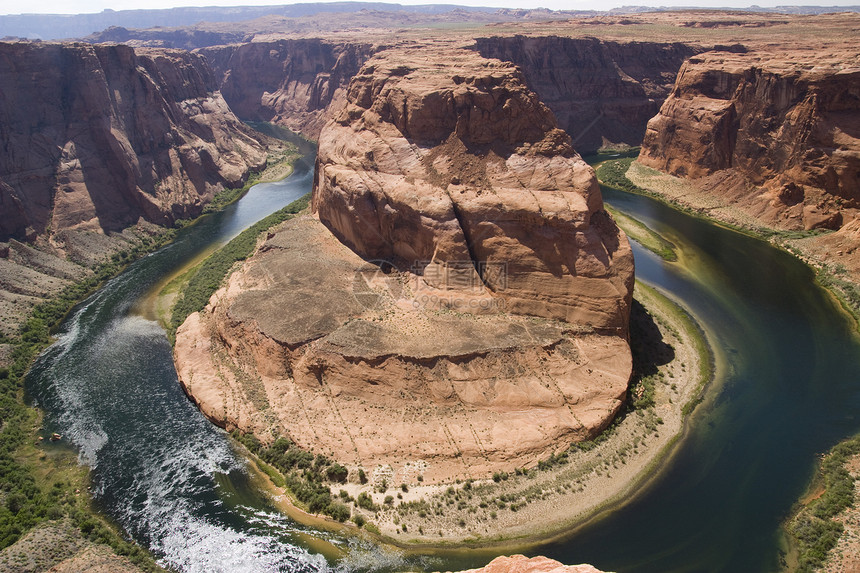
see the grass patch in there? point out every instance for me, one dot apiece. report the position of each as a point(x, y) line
point(211, 273)
point(643, 235)
point(813, 529)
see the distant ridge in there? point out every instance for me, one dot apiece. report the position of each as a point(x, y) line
point(62, 26)
point(67, 26)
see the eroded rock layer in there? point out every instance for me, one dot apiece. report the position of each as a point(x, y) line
point(601, 92)
point(777, 133)
point(495, 332)
point(294, 83)
point(448, 164)
point(95, 137)
point(523, 564)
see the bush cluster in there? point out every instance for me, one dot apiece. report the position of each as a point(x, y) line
point(613, 174)
point(813, 528)
point(304, 474)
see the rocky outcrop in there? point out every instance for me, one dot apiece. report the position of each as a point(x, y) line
point(96, 137)
point(495, 331)
point(523, 564)
point(295, 83)
point(602, 92)
point(777, 132)
point(457, 171)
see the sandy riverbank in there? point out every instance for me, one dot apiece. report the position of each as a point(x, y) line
point(157, 304)
point(533, 505)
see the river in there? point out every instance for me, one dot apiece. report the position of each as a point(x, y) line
point(789, 390)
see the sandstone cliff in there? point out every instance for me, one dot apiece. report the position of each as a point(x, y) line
point(440, 164)
point(774, 133)
point(294, 83)
point(96, 137)
point(600, 91)
point(523, 564)
point(495, 332)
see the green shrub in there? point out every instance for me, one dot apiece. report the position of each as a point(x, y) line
point(364, 501)
point(337, 473)
point(813, 528)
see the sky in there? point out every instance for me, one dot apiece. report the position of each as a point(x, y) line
point(91, 6)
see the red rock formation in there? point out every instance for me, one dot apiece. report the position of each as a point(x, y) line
point(780, 132)
point(600, 91)
point(501, 336)
point(437, 164)
point(290, 82)
point(98, 136)
point(523, 564)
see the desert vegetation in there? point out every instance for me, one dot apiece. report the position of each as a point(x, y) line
point(33, 487)
point(814, 528)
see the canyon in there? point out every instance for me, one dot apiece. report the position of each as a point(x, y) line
point(438, 292)
point(767, 140)
point(768, 122)
point(427, 281)
point(102, 147)
point(96, 137)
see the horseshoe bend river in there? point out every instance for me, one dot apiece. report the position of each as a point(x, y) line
point(789, 389)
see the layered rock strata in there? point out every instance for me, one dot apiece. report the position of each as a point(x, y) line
point(457, 171)
point(96, 137)
point(776, 134)
point(294, 83)
point(493, 334)
point(601, 92)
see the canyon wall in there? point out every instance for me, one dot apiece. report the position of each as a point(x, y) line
point(774, 133)
point(294, 83)
point(96, 137)
point(600, 91)
point(494, 332)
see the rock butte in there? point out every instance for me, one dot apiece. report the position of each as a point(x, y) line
point(445, 165)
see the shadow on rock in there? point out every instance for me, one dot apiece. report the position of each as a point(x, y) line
point(646, 342)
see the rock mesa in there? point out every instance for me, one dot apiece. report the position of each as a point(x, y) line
point(460, 304)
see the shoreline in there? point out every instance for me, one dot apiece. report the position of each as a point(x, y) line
point(542, 505)
point(44, 463)
point(157, 303)
point(684, 196)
